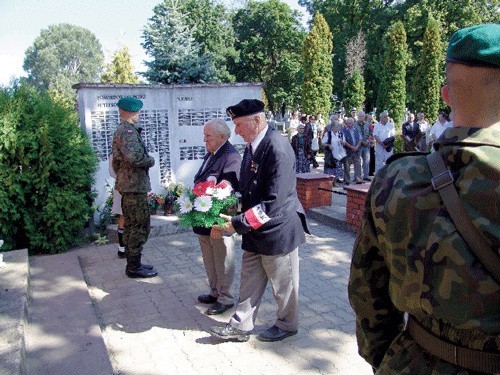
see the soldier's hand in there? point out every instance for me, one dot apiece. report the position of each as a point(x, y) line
point(152, 162)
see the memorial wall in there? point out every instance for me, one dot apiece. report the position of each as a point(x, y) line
point(172, 120)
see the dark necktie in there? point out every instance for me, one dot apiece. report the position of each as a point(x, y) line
point(247, 158)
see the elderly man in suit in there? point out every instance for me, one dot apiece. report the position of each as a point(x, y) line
point(272, 225)
point(222, 162)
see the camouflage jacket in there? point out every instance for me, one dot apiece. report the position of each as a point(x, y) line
point(409, 257)
point(131, 161)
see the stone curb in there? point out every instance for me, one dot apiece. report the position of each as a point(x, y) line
point(14, 280)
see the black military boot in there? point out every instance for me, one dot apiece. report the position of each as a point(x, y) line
point(135, 269)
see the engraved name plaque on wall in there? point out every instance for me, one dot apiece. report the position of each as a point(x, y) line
point(171, 119)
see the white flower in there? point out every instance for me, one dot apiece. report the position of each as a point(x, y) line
point(210, 191)
point(223, 193)
point(203, 203)
point(181, 198)
point(185, 205)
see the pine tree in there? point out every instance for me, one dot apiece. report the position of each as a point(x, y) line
point(392, 90)
point(174, 51)
point(354, 91)
point(120, 69)
point(428, 83)
point(318, 68)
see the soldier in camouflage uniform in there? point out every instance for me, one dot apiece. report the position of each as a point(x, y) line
point(131, 163)
point(410, 264)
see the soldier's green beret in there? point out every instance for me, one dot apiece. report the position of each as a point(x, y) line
point(476, 46)
point(129, 104)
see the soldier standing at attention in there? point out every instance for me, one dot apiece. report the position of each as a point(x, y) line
point(131, 164)
point(425, 289)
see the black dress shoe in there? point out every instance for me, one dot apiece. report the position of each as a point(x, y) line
point(228, 332)
point(218, 308)
point(275, 334)
point(367, 179)
point(207, 298)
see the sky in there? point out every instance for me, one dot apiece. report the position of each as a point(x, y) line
point(114, 22)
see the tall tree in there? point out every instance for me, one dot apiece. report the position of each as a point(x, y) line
point(63, 55)
point(120, 69)
point(345, 18)
point(317, 65)
point(175, 53)
point(354, 86)
point(355, 54)
point(452, 15)
point(392, 91)
point(212, 30)
point(269, 39)
point(427, 86)
point(354, 91)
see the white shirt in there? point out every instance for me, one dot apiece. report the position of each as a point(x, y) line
point(384, 131)
point(258, 139)
point(438, 129)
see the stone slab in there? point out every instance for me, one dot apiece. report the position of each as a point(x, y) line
point(14, 273)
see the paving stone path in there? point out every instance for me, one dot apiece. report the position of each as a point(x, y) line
point(156, 326)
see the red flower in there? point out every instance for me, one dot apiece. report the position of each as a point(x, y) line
point(223, 184)
point(201, 188)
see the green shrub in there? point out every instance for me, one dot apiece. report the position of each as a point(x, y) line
point(399, 145)
point(46, 169)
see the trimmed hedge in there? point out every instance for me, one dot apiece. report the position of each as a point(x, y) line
point(46, 169)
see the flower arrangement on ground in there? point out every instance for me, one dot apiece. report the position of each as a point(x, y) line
point(174, 191)
point(154, 201)
point(201, 206)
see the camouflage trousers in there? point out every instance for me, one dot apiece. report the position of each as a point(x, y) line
point(137, 222)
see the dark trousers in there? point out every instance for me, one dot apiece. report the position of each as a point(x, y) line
point(137, 222)
point(372, 161)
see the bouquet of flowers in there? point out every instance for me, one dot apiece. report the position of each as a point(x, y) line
point(174, 191)
point(155, 200)
point(201, 206)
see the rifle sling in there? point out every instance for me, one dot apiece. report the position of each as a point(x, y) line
point(442, 181)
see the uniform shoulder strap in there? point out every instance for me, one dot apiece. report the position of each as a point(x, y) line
point(442, 181)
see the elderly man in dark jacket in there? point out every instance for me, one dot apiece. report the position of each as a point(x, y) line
point(272, 224)
point(222, 162)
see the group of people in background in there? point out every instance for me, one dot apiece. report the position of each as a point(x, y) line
point(419, 135)
point(357, 140)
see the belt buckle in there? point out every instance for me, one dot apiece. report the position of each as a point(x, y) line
point(442, 180)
